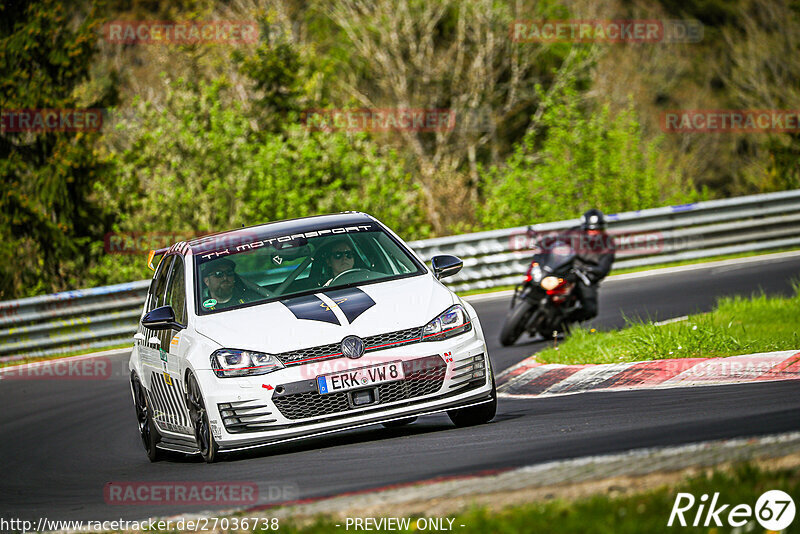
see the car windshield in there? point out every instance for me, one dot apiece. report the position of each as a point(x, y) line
point(266, 268)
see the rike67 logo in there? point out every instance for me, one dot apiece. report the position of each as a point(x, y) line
point(774, 510)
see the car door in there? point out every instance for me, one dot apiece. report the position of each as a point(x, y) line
point(147, 341)
point(165, 397)
point(167, 385)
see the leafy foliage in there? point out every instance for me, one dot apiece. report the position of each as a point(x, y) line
point(47, 212)
point(199, 166)
point(544, 130)
point(581, 159)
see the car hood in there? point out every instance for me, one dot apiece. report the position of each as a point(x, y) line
point(311, 320)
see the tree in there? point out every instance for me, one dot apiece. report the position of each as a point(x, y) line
point(455, 55)
point(196, 164)
point(762, 71)
point(585, 159)
point(47, 212)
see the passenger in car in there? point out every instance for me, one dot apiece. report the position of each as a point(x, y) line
point(341, 258)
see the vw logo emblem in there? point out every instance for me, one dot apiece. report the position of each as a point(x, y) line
point(353, 347)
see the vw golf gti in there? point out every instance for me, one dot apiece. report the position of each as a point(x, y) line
point(301, 328)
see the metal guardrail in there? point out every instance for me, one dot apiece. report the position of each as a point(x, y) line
point(107, 316)
point(674, 233)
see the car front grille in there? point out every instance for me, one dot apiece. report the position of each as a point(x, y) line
point(423, 376)
point(388, 340)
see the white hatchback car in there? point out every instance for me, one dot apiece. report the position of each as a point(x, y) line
point(300, 328)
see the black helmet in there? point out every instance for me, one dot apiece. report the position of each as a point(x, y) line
point(593, 220)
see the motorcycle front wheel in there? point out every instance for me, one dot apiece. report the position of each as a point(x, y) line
point(561, 327)
point(515, 322)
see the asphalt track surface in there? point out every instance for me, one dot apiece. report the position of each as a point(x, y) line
point(62, 441)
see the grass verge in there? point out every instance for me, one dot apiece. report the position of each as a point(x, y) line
point(644, 512)
point(737, 325)
point(610, 513)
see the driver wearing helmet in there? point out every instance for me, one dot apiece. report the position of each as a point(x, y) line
point(595, 255)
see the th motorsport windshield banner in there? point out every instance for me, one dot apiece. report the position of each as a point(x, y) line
point(273, 241)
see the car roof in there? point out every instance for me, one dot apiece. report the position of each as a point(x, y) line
point(287, 227)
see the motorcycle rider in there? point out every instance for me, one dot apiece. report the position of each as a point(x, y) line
point(583, 255)
point(595, 255)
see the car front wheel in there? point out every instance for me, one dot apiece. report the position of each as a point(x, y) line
point(144, 418)
point(202, 428)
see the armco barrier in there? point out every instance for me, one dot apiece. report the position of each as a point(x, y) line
point(106, 316)
point(685, 232)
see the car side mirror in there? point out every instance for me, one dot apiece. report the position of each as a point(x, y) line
point(162, 318)
point(446, 265)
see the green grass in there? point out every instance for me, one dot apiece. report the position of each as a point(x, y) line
point(737, 325)
point(644, 512)
point(602, 514)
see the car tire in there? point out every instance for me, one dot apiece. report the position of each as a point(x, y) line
point(144, 417)
point(399, 422)
point(515, 322)
point(475, 415)
point(206, 443)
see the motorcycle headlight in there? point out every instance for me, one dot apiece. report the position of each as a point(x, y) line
point(232, 362)
point(551, 282)
point(452, 322)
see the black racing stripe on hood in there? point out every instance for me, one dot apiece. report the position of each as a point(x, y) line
point(312, 308)
point(353, 302)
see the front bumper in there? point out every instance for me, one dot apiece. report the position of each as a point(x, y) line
point(286, 405)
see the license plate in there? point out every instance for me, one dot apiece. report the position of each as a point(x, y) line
point(357, 378)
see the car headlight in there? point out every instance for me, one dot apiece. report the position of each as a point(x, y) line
point(452, 322)
point(232, 362)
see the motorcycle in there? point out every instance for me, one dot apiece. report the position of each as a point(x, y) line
point(547, 297)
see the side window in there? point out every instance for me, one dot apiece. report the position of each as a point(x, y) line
point(158, 284)
point(176, 290)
